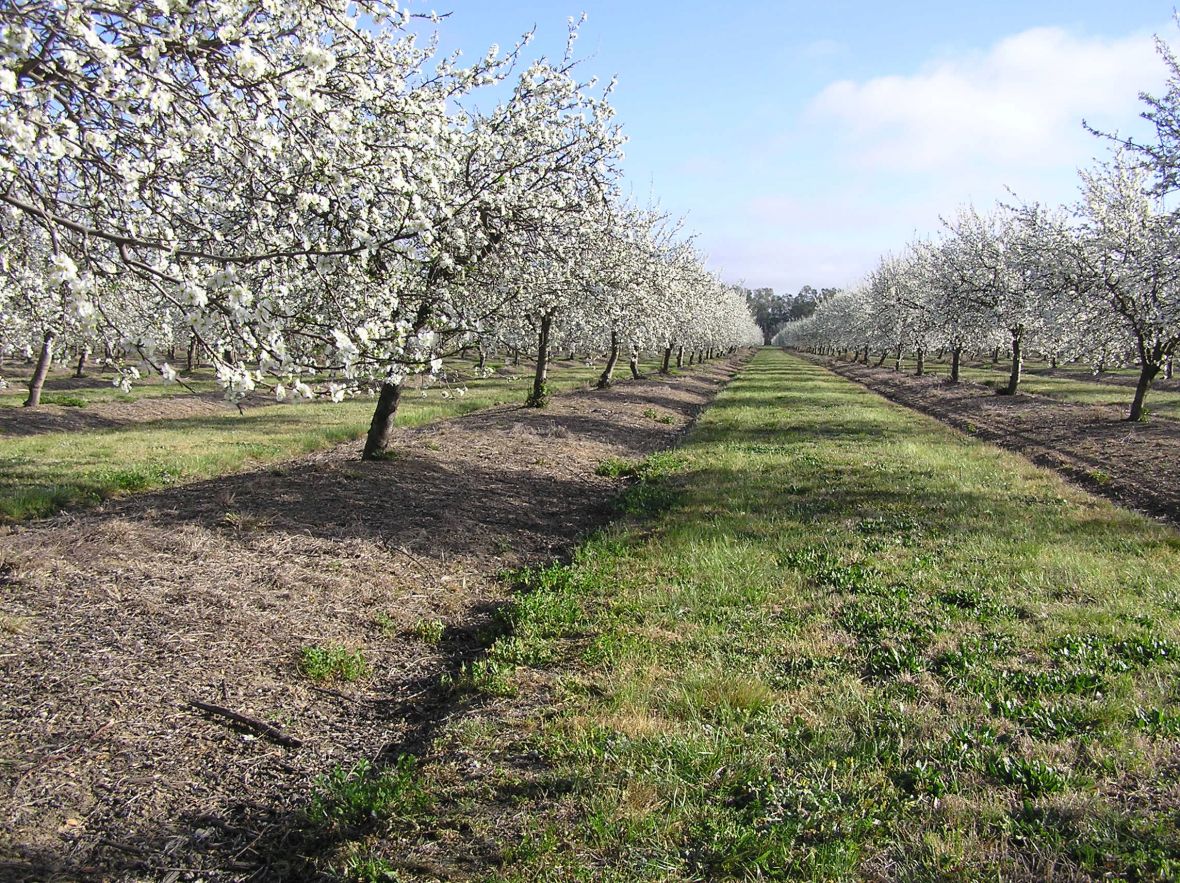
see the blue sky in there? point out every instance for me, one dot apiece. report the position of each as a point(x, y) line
point(802, 140)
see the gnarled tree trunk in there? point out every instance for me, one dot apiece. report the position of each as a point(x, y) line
point(604, 381)
point(1150, 368)
point(1017, 361)
point(956, 358)
point(666, 364)
point(39, 373)
point(540, 394)
point(381, 426)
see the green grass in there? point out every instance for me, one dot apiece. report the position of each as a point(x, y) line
point(62, 388)
point(333, 662)
point(64, 400)
point(44, 473)
point(364, 794)
point(1068, 384)
point(836, 640)
point(429, 631)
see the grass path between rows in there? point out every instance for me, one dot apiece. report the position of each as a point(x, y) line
point(830, 639)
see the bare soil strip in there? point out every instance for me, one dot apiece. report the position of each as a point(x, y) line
point(114, 621)
point(1136, 465)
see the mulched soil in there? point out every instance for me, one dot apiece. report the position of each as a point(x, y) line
point(1134, 464)
point(112, 620)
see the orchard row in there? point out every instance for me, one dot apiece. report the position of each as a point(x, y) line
point(307, 194)
point(1096, 281)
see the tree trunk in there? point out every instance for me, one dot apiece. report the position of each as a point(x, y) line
point(691, 355)
point(680, 357)
point(192, 351)
point(483, 357)
point(540, 395)
point(42, 369)
point(996, 356)
point(1017, 362)
point(897, 359)
point(920, 369)
point(667, 360)
point(604, 381)
point(1147, 373)
point(1168, 369)
point(80, 370)
point(516, 355)
point(956, 357)
point(634, 364)
point(381, 427)
point(884, 355)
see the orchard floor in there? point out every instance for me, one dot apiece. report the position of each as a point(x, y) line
point(1136, 465)
point(112, 620)
point(114, 415)
point(151, 402)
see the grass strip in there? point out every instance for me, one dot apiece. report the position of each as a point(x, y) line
point(833, 639)
point(1067, 385)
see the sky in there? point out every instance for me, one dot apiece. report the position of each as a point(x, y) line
point(801, 141)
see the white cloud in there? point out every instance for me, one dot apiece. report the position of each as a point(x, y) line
point(1017, 105)
point(879, 160)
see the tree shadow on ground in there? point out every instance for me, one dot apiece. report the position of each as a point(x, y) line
point(157, 596)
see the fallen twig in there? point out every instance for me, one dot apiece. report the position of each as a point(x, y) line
point(252, 723)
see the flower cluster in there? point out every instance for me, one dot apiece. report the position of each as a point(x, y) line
point(298, 190)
